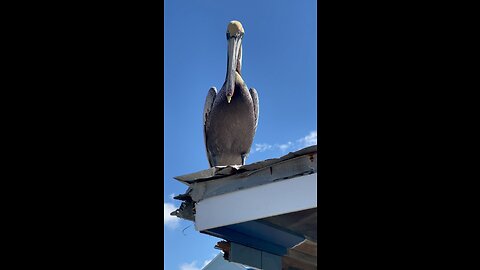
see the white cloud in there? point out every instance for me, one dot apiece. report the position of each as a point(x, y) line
point(261, 147)
point(285, 146)
point(172, 195)
point(310, 139)
point(168, 220)
point(189, 266)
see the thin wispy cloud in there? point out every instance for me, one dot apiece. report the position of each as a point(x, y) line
point(261, 147)
point(308, 140)
point(285, 146)
point(171, 222)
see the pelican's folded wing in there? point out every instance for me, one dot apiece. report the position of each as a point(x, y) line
point(212, 93)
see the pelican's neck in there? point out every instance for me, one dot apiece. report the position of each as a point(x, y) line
point(239, 62)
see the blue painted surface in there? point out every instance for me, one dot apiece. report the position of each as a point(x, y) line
point(246, 255)
point(258, 235)
point(268, 233)
point(246, 240)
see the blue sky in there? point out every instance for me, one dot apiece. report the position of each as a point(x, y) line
point(279, 60)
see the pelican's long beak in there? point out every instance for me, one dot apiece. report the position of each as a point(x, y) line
point(234, 44)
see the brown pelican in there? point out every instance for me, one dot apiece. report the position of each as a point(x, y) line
point(230, 117)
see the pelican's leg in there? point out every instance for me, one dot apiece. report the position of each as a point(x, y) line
point(244, 158)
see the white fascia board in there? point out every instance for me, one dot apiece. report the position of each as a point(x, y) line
point(258, 202)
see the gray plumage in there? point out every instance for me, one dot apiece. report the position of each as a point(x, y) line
point(229, 128)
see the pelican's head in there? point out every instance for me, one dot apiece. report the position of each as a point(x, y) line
point(235, 34)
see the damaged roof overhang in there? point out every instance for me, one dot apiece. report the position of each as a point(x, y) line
point(215, 202)
point(222, 171)
point(224, 179)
